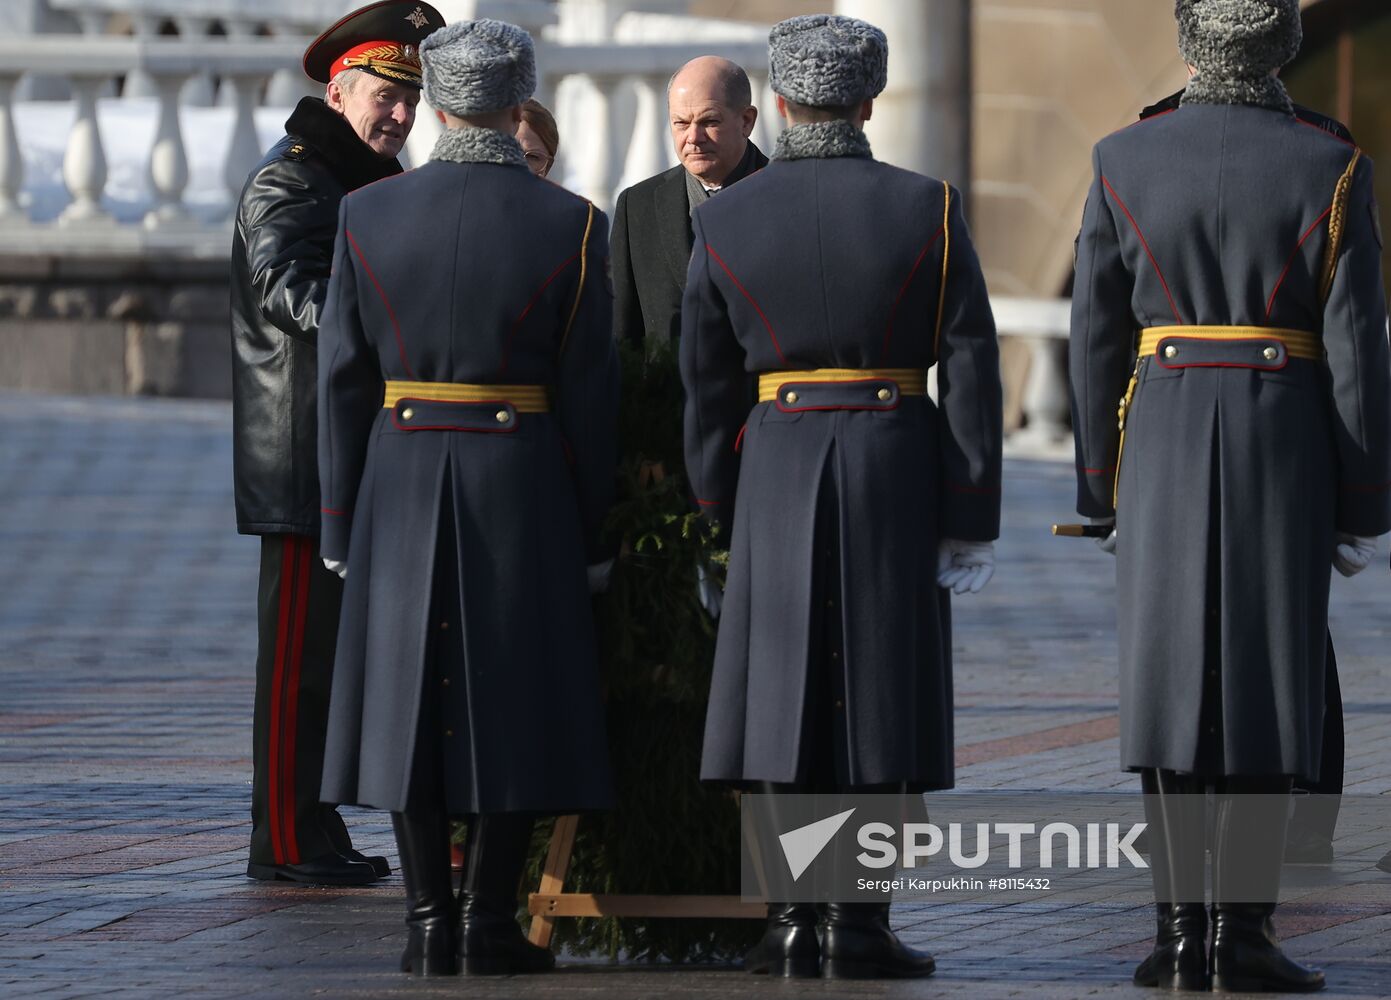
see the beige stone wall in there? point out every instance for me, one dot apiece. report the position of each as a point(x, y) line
point(1051, 78)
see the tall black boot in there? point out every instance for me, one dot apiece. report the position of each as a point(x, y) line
point(491, 942)
point(857, 943)
point(789, 947)
point(422, 836)
point(1247, 853)
point(1175, 814)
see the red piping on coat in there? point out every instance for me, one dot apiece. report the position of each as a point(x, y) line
point(1145, 243)
point(707, 503)
point(507, 347)
point(277, 687)
point(291, 757)
point(1320, 128)
point(1100, 472)
point(1270, 305)
point(711, 250)
point(893, 312)
point(335, 513)
point(390, 312)
point(739, 441)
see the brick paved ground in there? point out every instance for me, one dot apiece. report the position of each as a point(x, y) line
point(126, 643)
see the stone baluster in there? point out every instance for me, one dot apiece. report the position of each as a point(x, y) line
point(600, 169)
point(648, 151)
point(1045, 401)
point(239, 29)
point(287, 86)
point(168, 168)
point(198, 91)
point(765, 133)
point(11, 160)
point(244, 151)
point(139, 83)
point(93, 23)
point(84, 162)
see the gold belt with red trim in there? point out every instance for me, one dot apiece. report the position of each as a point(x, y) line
point(1298, 343)
point(523, 398)
point(910, 381)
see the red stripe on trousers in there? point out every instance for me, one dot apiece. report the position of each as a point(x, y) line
point(304, 550)
point(282, 630)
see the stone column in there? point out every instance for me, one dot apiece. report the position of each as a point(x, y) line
point(922, 121)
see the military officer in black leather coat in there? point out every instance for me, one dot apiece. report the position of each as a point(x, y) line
point(281, 253)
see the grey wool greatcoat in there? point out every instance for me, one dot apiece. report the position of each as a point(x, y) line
point(836, 262)
point(468, 272)
point(1240, 461)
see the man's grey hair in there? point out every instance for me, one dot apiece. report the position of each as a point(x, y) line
point(348, 79)
point(734, 84)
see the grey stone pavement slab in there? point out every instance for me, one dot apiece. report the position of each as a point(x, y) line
point(126, 673)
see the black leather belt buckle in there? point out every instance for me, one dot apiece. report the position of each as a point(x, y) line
point(1263, 353)
point(494, 417)
point(860, 394)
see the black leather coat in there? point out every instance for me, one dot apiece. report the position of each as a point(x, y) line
point(282, 249)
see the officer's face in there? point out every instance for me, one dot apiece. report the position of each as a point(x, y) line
point(380, 112)
point(709, 136)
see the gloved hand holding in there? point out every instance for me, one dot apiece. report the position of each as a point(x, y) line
point(334, 566)
point(1351, 554)
point(599, 575)
point(709, 591)
point(965, 567)
point(1107, 544)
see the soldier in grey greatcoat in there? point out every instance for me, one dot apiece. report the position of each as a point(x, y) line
point(1229, 294)
point(835, 282)
point(468, 400)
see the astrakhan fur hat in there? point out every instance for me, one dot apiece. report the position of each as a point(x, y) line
point(825, 60)
point(1235, 45)
point(478, 67)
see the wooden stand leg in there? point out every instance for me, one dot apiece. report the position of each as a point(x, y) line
point(553, 875)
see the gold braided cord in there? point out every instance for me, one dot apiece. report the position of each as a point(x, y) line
point(584, 269)
point(1337, 219)
point(946, 254)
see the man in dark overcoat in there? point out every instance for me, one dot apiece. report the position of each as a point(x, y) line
point(820, 292)
point(1228, 293)
point(468, 398)
point(282, 248)
point(711, 112)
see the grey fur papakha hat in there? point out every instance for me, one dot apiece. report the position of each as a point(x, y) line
point(1235, 45)
point(478, 67)
point(825, 60)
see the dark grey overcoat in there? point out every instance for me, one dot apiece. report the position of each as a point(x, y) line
point(1236, 470)
point(837, 263)
point(468, 272)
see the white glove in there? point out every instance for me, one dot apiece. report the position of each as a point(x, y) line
point(964, 567)
point(1352, 554)
point(599, 575)
point(709, 591)
point(333, 566)
point(1107, 544)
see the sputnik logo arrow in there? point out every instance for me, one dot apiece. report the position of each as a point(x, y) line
point(802, 845)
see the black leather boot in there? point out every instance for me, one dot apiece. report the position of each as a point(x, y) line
point(857, 943)
point(1175, 813)
point(1248, 850)
point(491, 942)
point(789, 947)
point(422, 836)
